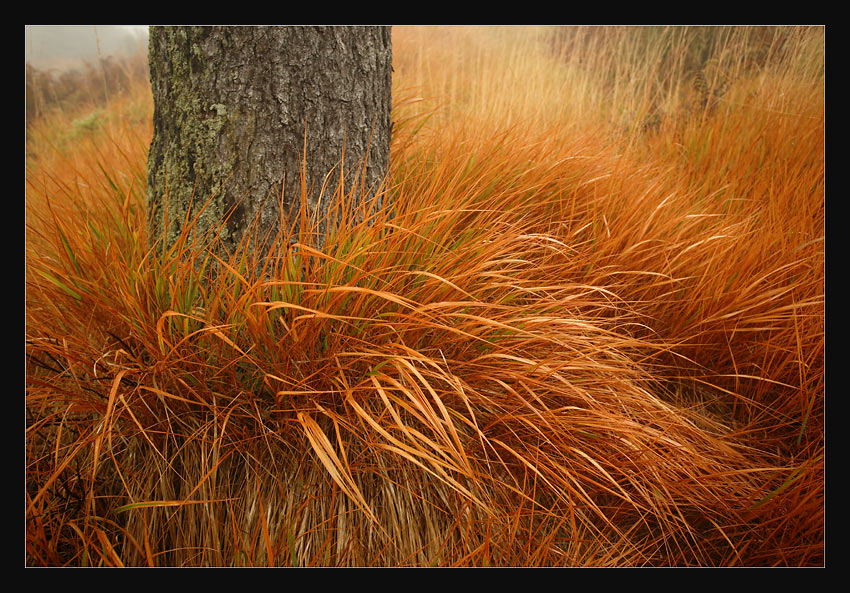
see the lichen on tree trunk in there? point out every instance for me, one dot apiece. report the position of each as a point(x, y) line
point(233, 107)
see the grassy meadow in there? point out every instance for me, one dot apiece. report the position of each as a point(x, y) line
point(590, 333)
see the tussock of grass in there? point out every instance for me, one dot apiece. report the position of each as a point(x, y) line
point(566, 346)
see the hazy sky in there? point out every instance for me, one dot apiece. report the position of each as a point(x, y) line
point(58, 46)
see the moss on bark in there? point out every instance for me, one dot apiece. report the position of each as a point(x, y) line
point(232, 109)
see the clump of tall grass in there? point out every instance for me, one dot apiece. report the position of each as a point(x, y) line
point(555, 351)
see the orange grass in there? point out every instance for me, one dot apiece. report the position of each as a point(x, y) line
point(566, 346)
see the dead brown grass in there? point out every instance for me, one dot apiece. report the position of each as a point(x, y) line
point(566, 347)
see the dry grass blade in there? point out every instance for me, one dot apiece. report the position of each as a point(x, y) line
point(328, 457)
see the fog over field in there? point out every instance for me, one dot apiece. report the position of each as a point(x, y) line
point(66, 46)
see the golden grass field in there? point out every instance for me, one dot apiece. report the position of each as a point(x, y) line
point(591, 334)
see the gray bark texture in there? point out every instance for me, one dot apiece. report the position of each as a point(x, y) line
point(233, 107)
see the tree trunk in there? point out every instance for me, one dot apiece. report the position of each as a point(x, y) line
point(234, 109)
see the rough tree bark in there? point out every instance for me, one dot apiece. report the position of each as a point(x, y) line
point(230, 109)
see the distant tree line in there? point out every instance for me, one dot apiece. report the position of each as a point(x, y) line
point(90, 85)
point(684, 50)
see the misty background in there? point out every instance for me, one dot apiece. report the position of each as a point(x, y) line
point(65, 47)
